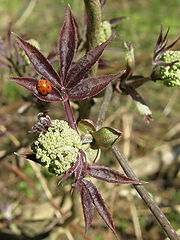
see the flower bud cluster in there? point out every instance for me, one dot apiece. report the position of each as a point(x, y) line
point(105, 31)
point(58, 148)
point(171, 74)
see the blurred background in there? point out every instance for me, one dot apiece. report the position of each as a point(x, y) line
point(32, 204)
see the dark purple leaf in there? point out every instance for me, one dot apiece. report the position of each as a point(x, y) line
point(30, 84)
point(135, 95)
point(161, 46)
point(165, 64)
point(117, 19)
point(88, 208)
point(103, 64)
point(81, 67)
point(67, 43)
point(141, 105)
point(170, 45)
point(71, 170)
point(136, 81)
point(79, 169)
point(100, 205)
point(40, 63)
point(29, 156)
point(52, 56)
point(91, 86)
point(109, 175)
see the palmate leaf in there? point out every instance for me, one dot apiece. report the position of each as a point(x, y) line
point(100, 205)
point(109, 175)
point(91, 86)
point(30, 84)
point(40, 63)
point(84, 64)
point(67, 43)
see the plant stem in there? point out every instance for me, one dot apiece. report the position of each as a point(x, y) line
point(93, 11)
point(68, 110)
point(153, 207)
point(151, 204)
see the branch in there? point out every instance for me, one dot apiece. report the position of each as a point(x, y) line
point(153, 207)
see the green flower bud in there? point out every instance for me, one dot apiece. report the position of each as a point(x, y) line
point(34, 43)
point(106, 137)
point(170, 74)
point(105, 31)
point(57, 149)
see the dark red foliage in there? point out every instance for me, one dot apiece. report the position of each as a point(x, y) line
point(71, 76)
point(91, 86)
point(67, 44)
point(99, 204)
point(161, 47)
point(88, 208)
point(109, 175)
point(84, 64)
point(39, 62)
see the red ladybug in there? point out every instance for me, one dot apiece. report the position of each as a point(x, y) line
point(44, 87)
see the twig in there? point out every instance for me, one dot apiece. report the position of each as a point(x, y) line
point(26, 13)
point(46, 190)
point(153, 207)
point(16, 148)
point(135, 218)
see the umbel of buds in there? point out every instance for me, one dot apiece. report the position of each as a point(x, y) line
point(170, 74)
point(58, 148)
point(166, 63)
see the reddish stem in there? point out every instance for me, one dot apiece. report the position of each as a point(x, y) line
point(68, 110)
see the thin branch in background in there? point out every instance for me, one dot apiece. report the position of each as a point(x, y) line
point(46, 189)
point(135, 218)
point(119, 111)
point(127, 130)
point(7, 153)
point(171, 102)
point(26, 13)
point(19, 173)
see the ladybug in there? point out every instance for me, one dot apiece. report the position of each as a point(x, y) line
point(44, 87)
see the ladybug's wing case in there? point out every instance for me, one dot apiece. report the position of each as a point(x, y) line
point(44, 87)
